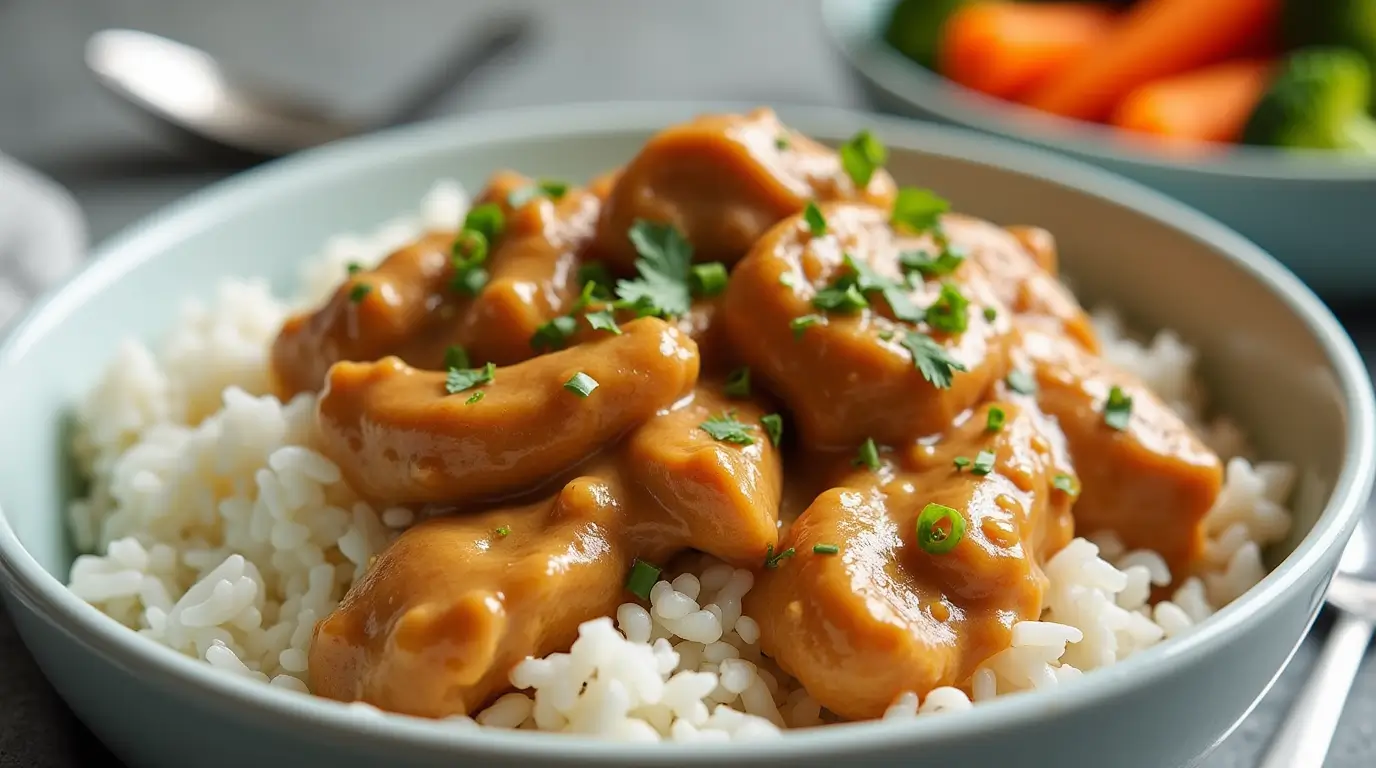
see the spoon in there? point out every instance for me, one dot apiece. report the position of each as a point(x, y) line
point(1304, 738)
point(187, 89)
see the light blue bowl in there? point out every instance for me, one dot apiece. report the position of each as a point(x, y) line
point(1269, 349)
point(1316, 212)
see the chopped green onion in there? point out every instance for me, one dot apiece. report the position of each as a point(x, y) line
point(487, 220)
point(460, 379)
point(503, 531)
point(781, 142)
point(603, 320)
point(862, 156)
point(554, 190)
point(816, 223)
point(554, 334)
point(738, 383)
point(773, 425)
point(868, 456)
point(359, 292)
point(772, 560)
point(950, 313)
point(581, 384)
point(984, 463)
point(1118, 409)
point(353, 267)
point(825, 549)
point(1066, 483)
point(800, 324)
point(475, 397)
point(991, 314)
point(456, 357)
point(1021, 382)
point(707, 279)
point(961, 462)
point(786, 279)
point(470, 249)
point(939, 529)
point(470, 280)
point(918, 209)
point(642, 579)
point(725, 428)
point(996, 419)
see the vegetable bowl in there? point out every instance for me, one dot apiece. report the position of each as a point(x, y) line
point(1305, 205)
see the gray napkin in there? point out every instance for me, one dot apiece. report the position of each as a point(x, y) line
point(42, 237)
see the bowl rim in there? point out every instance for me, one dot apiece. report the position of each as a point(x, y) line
point(906, 81)
point(50, 600)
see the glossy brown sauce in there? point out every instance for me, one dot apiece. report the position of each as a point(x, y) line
point(538, 499)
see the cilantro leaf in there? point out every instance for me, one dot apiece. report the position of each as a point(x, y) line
point(862, 156)
point(727, 429)
point(917, 209)
point(950, 313)
point(460, 379)
point(603, 320)
point(663, 266)
point(870, 281)
point(816, 222)
point(927, 265)
point(931, 359)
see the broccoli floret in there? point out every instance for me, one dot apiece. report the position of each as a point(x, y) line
point(1318, 100)
point(915, 28)
point(1341, 23)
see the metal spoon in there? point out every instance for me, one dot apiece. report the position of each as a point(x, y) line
point(186, 88)
point(1304, 738)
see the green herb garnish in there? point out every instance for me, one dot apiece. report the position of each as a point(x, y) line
point(553, 335)
point(460, 379)
point(353, 267)
point(470, 280)
point(781, 142)
point(931, 359)
point(773, 425)
point(800, 324)
point(995, 421)
point(917, 209)
point(487, 220)
point(1118, 409)
point(473, 398)
point(1021, 382)
point(862, 156)
point(581, 384)
point(596, 272)
point(990, 314)
point(843, 296)
point(772, 560)
point(961, 462)
point(869, 281)
point(642, 579)
point(939, 529)
point(665, 257)
point(503, 531)
point(727, 429)
point(456, 357)
point(707, 279)
point(738, 383)
point(359, 292)
point(868, 455)
point(984, 463)
point(825, 549)
point(927, 265)
point(603, 320)
point(950, 313)
point(1066, 483)
point(816, 223)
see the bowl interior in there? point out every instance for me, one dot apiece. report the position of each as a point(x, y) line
point(1270, 355)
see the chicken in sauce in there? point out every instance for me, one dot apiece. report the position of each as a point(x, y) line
point(743, 343)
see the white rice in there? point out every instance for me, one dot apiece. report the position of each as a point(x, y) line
point(225, 534)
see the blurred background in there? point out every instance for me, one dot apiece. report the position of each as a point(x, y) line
point(357, 56)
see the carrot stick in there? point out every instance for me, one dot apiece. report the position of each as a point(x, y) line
point(1004, 48)
point(1210, 104)
point(1152, 40)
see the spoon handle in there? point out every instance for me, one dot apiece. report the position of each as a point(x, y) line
point(1304, 738)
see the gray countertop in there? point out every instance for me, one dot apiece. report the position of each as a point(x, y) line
point(355, 53)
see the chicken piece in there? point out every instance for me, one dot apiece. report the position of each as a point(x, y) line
point(883, 615)
point(852, 376)
point(399, 437)
point(707, 486)
point(723, 180)
point(1151, 482)
point(408, 306)
point(436, 625)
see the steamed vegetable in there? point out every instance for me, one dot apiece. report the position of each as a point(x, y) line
point(1318, 101)
point(1004, 48)
point(1344, 23)
point(915, 28)
point(1210, 104)
point(1155, 39)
